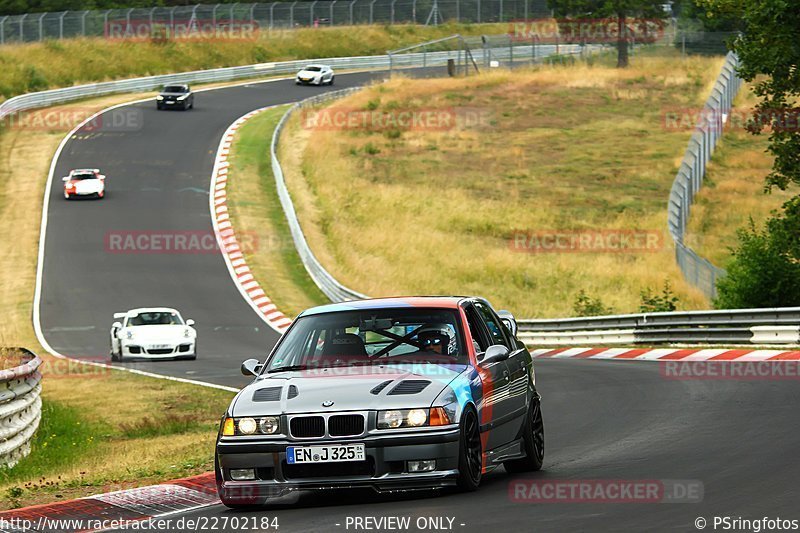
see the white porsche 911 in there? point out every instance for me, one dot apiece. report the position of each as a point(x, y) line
point(153, 333)
point(315, 75)
point(84, 183)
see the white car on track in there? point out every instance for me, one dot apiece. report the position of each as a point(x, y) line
point(84, 183)
point(315, 75)
point(153, 333)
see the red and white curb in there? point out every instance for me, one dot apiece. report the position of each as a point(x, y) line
point(114, 510)
point(667, 354)
point(231, 248)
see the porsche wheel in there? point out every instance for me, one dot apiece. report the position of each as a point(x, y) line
point(533, 442)
point(470, 456)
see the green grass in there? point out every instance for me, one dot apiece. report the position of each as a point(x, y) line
point(51, 64)
point(63, 437)
point(254, 208)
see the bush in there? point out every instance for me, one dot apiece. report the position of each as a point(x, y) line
point(765, 269)
point(585, 305)
point(658, 303)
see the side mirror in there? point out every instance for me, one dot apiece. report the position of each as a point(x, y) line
point(251, 367)
point(190, 322)
point(116, 325)
point(65, 179)
point(509, 320)
point(494, 353)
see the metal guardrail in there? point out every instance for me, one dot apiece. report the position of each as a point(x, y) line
point(244, 17)
point(20, 407)
point(697, 270)
point(741, 326)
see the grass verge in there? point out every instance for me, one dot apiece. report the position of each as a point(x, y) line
point(735, 177)
point(101, 430)
point(51, 64)
point(559, 148)
point(255, 209)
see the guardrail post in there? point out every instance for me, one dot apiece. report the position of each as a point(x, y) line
point(371, 10)
point(271, 17)
point(351, 10)
point(3, 29)
point(414, 11)
point(392, 12)
point(291, 14)
point(311, 13)
point(22, 28)
point(214, 15)
point(501, 10)
point(458, 11)
point(61, 25)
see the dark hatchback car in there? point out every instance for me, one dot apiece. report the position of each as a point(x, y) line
point(391, 394)
point(175, 97)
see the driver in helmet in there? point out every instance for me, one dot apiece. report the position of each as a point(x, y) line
point(435, 339)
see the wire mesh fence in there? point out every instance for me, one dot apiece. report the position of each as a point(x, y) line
point(204, 18)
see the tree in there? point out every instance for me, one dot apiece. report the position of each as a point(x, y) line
point(623, 12)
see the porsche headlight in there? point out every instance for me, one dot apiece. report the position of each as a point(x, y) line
point(159, 97)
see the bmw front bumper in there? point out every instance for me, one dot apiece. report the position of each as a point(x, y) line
point(385, 468)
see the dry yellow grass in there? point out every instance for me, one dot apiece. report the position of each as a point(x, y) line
point(558, 148)
point(733, 190)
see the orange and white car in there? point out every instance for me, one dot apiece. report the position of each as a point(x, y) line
point(84, 182)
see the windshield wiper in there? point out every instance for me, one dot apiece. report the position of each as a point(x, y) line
point(288, 368)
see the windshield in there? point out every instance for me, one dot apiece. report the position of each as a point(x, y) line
point(313, 69)
point(175, 89)
point(155, 318)
point(373, 336)
point(83, 176)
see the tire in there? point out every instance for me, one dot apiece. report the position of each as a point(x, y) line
point(331, 82)
point(470, 453)
point(533, 442)
point(159, 107)
point(116, 357)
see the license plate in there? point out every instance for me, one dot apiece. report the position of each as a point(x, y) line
point(170, 102)
point(325, 454)
point(160, 346)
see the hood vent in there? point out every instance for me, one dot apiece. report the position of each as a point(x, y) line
point(270, 394)
point(409, 386)
point(378, 388)
point(293, 392)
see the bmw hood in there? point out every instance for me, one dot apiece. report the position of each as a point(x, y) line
point(349, 388)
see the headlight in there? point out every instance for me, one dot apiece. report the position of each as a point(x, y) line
point(70, 185)
point(159, 97)
point(182, 97)
point(413, 418)
point(267, 425)
point(247, 426)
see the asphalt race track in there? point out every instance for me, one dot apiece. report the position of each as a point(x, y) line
point(605, 420)
point(158, 166)
point(618, 420)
